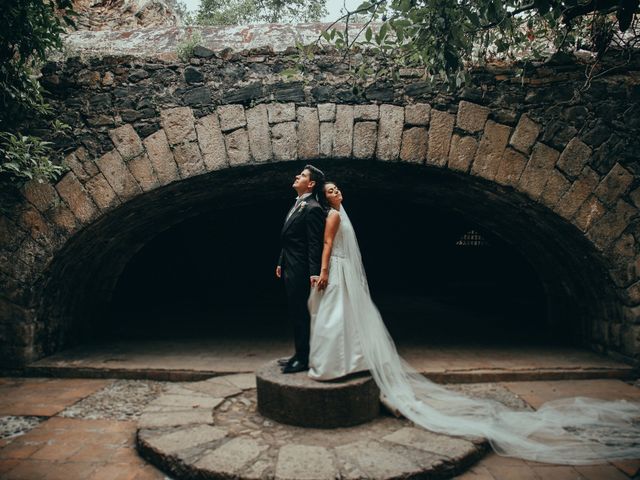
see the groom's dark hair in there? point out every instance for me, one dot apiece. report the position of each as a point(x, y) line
point(316, 175)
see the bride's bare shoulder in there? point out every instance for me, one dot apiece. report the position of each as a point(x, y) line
point(333, 216)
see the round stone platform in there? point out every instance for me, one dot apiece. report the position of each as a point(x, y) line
point(212, 429)
point(295, 399)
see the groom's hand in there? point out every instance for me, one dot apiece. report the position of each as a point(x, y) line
point(278, 271)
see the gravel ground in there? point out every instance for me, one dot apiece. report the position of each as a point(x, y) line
point(121, 400)
point(12, 426)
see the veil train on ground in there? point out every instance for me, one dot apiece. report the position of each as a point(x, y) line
point(571, 431)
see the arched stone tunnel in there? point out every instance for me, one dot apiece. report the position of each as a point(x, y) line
point(104, 246)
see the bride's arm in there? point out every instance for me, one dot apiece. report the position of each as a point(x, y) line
point(330, 229)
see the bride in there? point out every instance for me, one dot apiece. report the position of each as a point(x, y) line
point(348, 336)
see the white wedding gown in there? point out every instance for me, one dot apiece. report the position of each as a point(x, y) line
point(348, 335)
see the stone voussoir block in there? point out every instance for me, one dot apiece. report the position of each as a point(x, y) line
point(142, 170)
point(578, 192)
point(327, 112)
point(281, 112)
point(417, 114)
point(554, 188)
point(41, 195)
point(258, 131)
point(365, 112)
point(440, 133)
point(614, 184)
point(101, 192)
point(590, 212)
point(538, 169)
point(364, 139)
point(308, 133)
point(490, 151)
point(126, 141)
point(390, 132)
point(211, 142)
point(574, 157)
point(525, 134)
point(461, 152)
point(161, 157)
point(189, 159)
point(118, 175)
point(414, 145)
point(605, 231)
point(471, 117)
point(231, 117)
point(237, 143)
point(178, 125)
point(343, 139)
point(327, 138)
point(511, 167)
point(285, 141)
point(76, 197)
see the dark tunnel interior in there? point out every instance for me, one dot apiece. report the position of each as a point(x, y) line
point(435, 276)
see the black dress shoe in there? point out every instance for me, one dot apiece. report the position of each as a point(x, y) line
point(295, 367)
point(286, 361)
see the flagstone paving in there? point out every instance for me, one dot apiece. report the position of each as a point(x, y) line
point(86, 429)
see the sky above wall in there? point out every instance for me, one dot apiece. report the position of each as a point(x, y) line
point(333, 6)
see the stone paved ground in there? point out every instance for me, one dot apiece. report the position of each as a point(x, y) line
point(85, 429)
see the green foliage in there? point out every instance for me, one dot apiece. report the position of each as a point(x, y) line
point(444, 36)
point(239, 12)
point(31, 28)
point(185, 48)
point(26, 157)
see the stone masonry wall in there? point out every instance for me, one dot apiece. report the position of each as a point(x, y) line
point(141, 124)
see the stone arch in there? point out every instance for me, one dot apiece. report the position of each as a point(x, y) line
point(591, 210)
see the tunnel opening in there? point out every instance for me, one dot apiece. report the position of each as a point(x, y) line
point(434, 275)
point(449, 257)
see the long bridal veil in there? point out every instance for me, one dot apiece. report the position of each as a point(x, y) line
point(567, 431)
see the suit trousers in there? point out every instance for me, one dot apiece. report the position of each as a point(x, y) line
point(297, 288)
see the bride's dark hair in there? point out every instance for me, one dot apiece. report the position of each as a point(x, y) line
point(322, 198)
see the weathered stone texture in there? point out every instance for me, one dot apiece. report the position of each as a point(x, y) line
point(577, 193)
point(327, 138)
point(414, 145)
point(211, 142)
point(611, 225)
point(281, 112)
point(343, 140)
point(259, 136)
point(365, 112)
point(305, 462)
point(390, 132)
point(589, 213)
point(511, 167)
point(555, 187)
point(525, 134)
point(41, 195)
point(461, 152)
point(327, 112)
point(142, 170)
point(63, 218)
point(231, 117)
point(76, 166)
point(574, 157)
point(490, 151)
point(72, 191)
point(538, 169)
point(614, 184)
point(101, 192)
point(308, 133)
point(34, 223)
point(189, 159)
point(471, 117)
point(364, 139)
point(118, 175)
point(284, 140)
point(126, 141)
point(232, 456)
point(417, 114)
point(440, 131)
point(161, 157)
point(178, 125)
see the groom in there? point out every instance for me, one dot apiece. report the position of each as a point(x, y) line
point(300, 259)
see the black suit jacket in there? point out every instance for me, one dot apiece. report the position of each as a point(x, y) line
point(302, 239)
